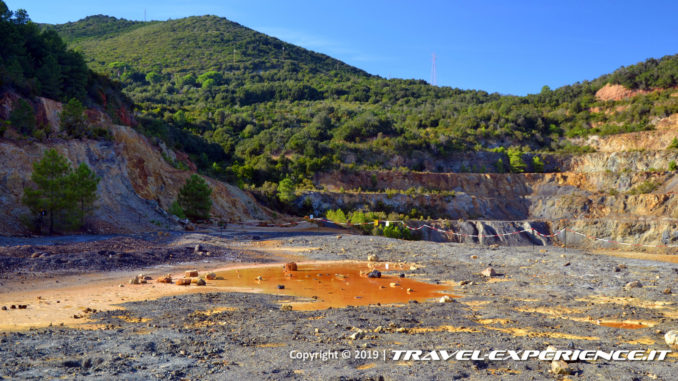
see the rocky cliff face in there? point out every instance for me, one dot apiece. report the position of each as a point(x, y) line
point(625, 192)
point(137, 185)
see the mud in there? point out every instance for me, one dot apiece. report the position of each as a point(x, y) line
point(572, 299)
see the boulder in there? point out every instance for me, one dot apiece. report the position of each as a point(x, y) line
point(191, 274)
point(291, 266)
point(671, 338)
point(489, 272)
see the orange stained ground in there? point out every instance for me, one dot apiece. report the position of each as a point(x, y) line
point(623, 325)
point(332, 284)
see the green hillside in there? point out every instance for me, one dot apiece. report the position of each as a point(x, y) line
point(276, 110)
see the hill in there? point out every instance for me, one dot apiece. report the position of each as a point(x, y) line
point(288, 113)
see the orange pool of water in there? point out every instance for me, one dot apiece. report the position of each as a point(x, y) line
point(331, 284)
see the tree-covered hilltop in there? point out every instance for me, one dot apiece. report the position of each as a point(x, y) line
point(38, 63)
point(274, 111)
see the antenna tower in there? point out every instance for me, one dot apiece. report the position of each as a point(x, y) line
point(434, 72)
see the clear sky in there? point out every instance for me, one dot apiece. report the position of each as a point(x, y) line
point(510, 46)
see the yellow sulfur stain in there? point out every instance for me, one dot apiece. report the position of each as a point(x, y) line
point(443, 328)
point(366, 366)
point(554, 335)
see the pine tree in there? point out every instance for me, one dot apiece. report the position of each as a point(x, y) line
point(194, 198)
point(22, 118)
point(82, 188)
point(51, 175)
point(73, 119)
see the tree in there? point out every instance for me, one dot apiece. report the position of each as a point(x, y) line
point(194, 198)
point(153, 77)
point(537, 164)
point(286, 190)
point(62, 195)
point(23, 117)
point(516, 160)
point(51, 197)
point(73, 119)
point(82, 188)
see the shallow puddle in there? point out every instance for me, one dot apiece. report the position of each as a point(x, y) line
point(331, 284)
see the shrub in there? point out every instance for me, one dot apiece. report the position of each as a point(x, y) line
point(73, 120)
point(194, 198)
point(286, 190)
point(673, 144)
point(22, 118)
point(672, 165)
point(645, 187)
point(537, 164)
point(176, 210)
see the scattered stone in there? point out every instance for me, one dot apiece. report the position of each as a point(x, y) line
point(402, 275)
point(200, 282)
point(619, 267)
point(339, 236)
point(291, 266)
point(13, 307)
point(134, 280)
point(286, 307)
point(378, 329)
point(402, 330)
point(494, 246)
point(543, 251)
point(357, 335)
point(464, 282)
point(183, 282)
point(36, 255)
point(489, 272)
point(191, 274)
point(394, 284)
point(4, 308)
point(634, 284)
point(259, 277)
point(566, 264)
point(445, 299)
point(410, 290)
point(189, 227)
point(474, 257)
point(373, 258)
point(374, 274)
point(671, 338)
point(413, 268)
point(560, 367)
point(211, 276)
point(667, 291)
point(281, 287)
point(121, 285)
point(165, 279)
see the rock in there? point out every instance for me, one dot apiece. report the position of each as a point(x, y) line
point(401, 275)
point(211, 276)
point(619, 267)
point(286, 307)
point(291, 266)
point(394, 284)
point(378, 329)
point(414, 268)
point(121, 285)
point(165, 279)
point(560, 367)
point(374, 274)
point(566, 264)
point(36, 255)
point(474, 257)
point(464, 282)
point(4, 308)
point(200, 282)
point(409, 290)
point(134, 280)
point(494, 246)
point(259, 277)
point(189, 227)
point(22, 306)
point(13, 307)
point(671, 338)
point(191, 274)
point(489, 272)
point(373, 258)
point(281, 287)
point(357, 335)
point(183, 282)
point(634, 284)
point(339, 236)
point(445, 299)
point(667, 291)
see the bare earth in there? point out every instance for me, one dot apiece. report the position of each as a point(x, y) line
point(79, 322)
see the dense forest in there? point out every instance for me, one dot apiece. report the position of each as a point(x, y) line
point(34, 62)
point(260, 110)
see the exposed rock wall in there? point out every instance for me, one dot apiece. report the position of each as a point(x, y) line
point(136, 187)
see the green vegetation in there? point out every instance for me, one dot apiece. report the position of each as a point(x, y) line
point(673, 166)
point(194, 198)
point(37, 63)
point(364, 221)
point(63, 196)
point(176, 210)
point(673, 144)
point(264, 110)
point(286, 190)
point(73, 120)
point(647, 186)
point(22, 118)
point(537, 164)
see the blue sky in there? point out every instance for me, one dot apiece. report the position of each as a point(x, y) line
point(511, 47)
